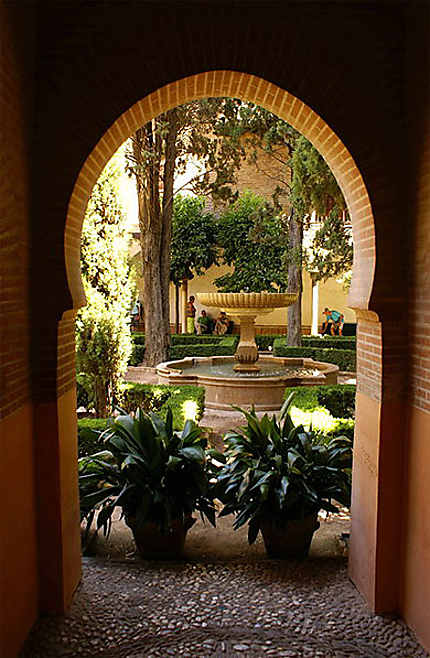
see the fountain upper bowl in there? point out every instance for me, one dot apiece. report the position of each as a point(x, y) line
point(247, 302)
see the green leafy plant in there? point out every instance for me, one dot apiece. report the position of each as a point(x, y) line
point(249, 234)
point(277, 472)
point(152, 472)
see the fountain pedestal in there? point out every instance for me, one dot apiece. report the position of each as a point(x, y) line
point(245, 306)
point(247, 351)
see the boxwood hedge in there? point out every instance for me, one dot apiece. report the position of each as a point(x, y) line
point(225, 347)
point(185, 401)
point(312, 405)
point(184, 345)
point(345, 359)
point(336, 342)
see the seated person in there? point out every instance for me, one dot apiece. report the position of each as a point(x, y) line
point(337, 326)
point(204, 323)
point(221, 324)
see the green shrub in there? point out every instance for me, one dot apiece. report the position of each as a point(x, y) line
point(339, 400)
point(146, 396)
point(137, 354)
point(345, 359)
point(337, 342)
point(83, 391)
point(191, 339)
point(264, 341)
point(185, 401)
point(138, 338)
point(225, 347)
point(103, 348)
point(89, 430)
point(184, 345)
point(307, 409)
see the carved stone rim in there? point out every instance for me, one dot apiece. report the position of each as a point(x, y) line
point(247, 300)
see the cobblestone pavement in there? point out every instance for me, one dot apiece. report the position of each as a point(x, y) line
point(266, 608)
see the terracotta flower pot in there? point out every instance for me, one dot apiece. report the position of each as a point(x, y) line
point(152, 544)
point(291, 541)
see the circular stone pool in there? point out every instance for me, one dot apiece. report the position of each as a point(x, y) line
point(264, 389)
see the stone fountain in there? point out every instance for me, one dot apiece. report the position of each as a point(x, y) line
point(245, 306)
point(246, 379)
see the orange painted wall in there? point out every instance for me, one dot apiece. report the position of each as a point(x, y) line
point(18, 554)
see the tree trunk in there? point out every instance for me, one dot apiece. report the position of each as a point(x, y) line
point(155, 221)
point(167, 214)
point(184, 304)
point(101, 399)
point(294, 329)
point(177, 290)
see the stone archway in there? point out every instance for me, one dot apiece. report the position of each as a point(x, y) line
point(369, 575)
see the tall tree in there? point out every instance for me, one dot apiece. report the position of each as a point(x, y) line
point(262, 132)
point(304, 184)
point(161, 150)
point(193, 247)
point(314, 189)
point(248, 233)
point(103, 340)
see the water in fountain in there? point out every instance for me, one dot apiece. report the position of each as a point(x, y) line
point(266, 370)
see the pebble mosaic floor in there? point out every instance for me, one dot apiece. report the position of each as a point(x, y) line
point(139, 609)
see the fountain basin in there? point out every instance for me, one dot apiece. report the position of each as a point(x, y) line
point(264, 390)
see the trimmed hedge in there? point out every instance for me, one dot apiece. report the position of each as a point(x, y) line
point(153, 398)
point(137, 354)
point(160, 397)
point(336, 342)
point(345, 359)
point(138, 338)
point(184, 345)
point(150, 398)
point(225, 347)
point(88, 435)
point(339, 400)
point(264, 341)
point(192, 339)
point(311, 401)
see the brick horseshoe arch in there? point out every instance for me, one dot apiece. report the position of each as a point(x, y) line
point(376, 466)
point(273, 98)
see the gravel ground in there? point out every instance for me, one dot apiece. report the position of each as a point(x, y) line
point(261, 608)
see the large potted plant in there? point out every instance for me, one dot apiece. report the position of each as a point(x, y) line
point(277, 477)
point(157, 476)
